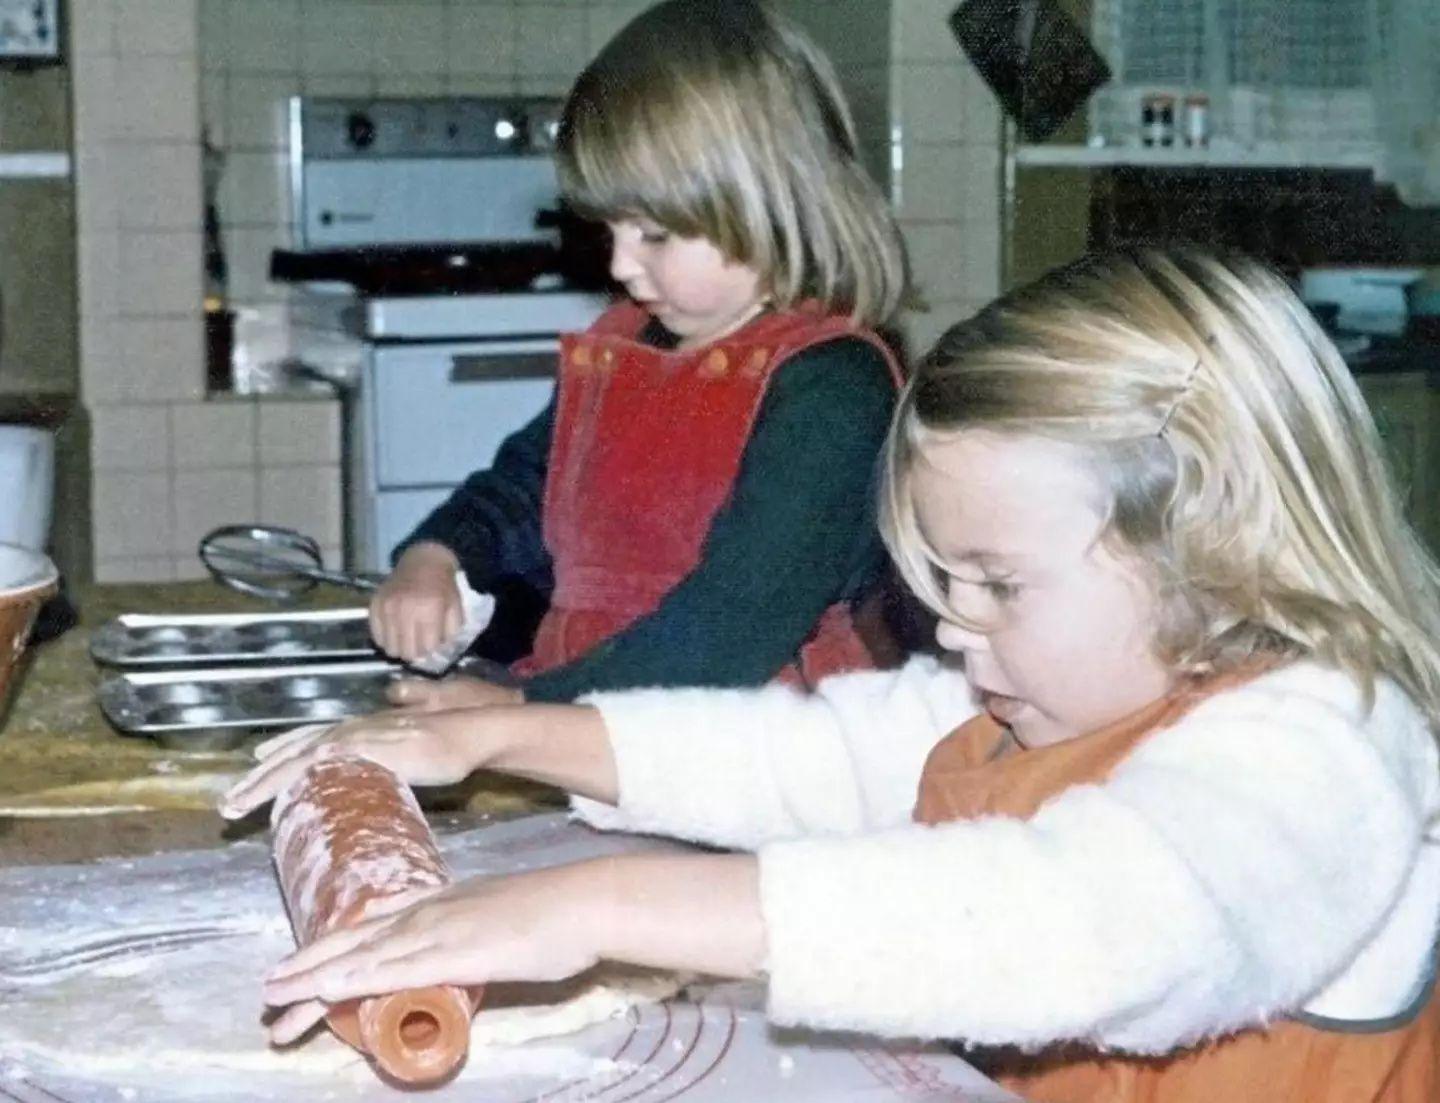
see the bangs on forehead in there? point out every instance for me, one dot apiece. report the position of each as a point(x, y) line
point(607, 176)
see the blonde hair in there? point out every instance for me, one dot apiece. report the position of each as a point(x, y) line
point(718, 119)
point(1238, 456)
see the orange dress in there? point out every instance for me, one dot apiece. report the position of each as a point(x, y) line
point(970, 774)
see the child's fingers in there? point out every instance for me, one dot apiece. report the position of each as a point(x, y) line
point(384, 967)
point(295, 1021)
point(314, 956)
point(420, 694)
point(264, 783)
point(454, 621)
point(381, 906)
point(287, 739)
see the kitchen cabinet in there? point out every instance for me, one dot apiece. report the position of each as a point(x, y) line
point(1406, 406)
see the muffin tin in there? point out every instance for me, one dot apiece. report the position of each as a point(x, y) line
point(222, 707)
point(138, 640)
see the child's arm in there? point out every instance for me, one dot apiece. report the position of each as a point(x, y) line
point(848, 755)
point(739, 767)
point(490, 526)
point(561, 745)
point(418, 607)
point(690, 912)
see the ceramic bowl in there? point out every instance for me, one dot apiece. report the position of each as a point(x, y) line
point(27, 578)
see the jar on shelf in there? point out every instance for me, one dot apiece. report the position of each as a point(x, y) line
point(1196, 127)
point(1157, 119)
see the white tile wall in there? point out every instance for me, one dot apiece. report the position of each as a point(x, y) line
point(157, 27)
point(132, 512)
point(205, 500)
point(480, 40)
point(946, 182)
point(214, 435)
point(295, 497)
point(131, 438)
point(292, 434)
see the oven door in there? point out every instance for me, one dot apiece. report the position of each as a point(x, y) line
point(431, 413)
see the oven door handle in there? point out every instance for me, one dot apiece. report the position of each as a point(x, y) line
point(488, 367)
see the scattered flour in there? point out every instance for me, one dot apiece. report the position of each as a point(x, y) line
point(192, 1015)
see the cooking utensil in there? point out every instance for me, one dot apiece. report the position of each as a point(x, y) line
point(135, 640)
point(220, 708)
point(271, 562)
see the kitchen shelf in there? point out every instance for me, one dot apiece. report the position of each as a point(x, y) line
point(32, 166)
point(1271, 155)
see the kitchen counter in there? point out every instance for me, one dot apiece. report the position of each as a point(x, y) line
point(60, 759)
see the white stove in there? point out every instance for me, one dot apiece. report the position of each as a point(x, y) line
point(496, 315)
point(439, 212)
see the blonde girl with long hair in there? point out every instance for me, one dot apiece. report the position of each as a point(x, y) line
point(691, 506)
point(1162, 823)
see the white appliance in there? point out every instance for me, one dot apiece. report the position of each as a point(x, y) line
point(27, 485)
point(439, 213)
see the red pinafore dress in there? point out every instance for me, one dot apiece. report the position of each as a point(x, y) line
point(646, 448)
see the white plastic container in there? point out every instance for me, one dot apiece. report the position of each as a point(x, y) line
point(27, 485)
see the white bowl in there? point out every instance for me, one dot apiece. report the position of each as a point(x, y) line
point(22, 570)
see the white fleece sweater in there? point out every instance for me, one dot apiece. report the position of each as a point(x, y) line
point(1276, 849)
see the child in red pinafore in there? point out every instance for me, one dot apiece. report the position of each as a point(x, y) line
point(692, 503)
point(1181, 843)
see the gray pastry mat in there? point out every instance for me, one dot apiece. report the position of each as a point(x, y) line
point(149, 641)
point(151, 1027)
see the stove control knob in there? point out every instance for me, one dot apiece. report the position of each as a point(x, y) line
point(360, 130)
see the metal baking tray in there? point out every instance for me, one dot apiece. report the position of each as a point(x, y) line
point(222, 707)
point(142, 640)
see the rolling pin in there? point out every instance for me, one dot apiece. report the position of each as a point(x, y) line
point(349, 832)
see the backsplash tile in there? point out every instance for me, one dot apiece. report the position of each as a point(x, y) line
point(205, 500)
point(158, 186)
point(480, 40)
point(157, 27)
point(132, 513)
point(214, 434)
point(159, 272)
point(264, 37)
point(130, 438)
point(552, 40)
point(293, 433)
point(306, 499)
point(159, 358)
point(157, 97)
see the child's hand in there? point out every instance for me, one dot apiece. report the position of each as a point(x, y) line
point(436, 748)
point(456, 692)
point(538, 926)
point(418, 607)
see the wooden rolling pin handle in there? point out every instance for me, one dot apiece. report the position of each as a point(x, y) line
point(349, 832)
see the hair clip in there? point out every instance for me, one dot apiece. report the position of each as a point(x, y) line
point(1179, 398)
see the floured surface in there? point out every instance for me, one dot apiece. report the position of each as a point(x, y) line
point(182, 1022)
